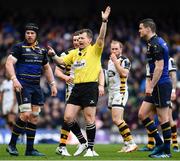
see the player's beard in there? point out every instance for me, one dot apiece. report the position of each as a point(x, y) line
point(31, 41)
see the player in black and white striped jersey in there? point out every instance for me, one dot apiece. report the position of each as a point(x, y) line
point(118, 70)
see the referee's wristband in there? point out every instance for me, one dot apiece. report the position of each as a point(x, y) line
point(104, 20)
point(101, 85)
point(54, 57)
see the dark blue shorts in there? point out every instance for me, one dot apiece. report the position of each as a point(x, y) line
point(161, 96)
point(30, 94)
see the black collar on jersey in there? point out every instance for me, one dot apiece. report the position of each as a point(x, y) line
point(119, 56)
point(153, 37)
point(82, 52)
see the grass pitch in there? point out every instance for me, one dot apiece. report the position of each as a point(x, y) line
point(106, 152)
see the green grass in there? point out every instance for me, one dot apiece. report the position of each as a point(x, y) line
point(106, 152)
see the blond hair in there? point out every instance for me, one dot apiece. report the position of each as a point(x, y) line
point(117, 42)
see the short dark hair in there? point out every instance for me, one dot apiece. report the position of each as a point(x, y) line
point(148, 22)
point(76, 33)
point(88, 31)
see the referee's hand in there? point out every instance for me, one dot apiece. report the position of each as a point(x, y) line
point(106, 13)
point(101, 90)
point(51, 51)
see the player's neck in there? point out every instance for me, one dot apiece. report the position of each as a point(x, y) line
point(150, 35)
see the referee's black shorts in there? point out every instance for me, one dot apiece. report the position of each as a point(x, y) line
point(84, 94)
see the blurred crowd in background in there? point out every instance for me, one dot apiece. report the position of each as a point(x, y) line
point(57, 33)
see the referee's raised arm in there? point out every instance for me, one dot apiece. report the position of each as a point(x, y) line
point(102, 33)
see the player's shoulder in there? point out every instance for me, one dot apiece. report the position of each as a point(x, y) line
point(95, 46)
point(158, 42)
point(154, 41)
point(71, 50)
point(18, 45)
point(16, 48)
point(172, 64)
point(61, 54)
point(125, 62)
point(41, 47)
point(66, 52)
point(123, 58)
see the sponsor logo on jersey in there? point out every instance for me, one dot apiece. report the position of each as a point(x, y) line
point(79, 64)
point(111, 73)
point(28, 50)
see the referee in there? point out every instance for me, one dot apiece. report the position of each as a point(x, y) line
point(87, 63)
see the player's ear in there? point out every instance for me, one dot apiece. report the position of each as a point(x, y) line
point(149, 29)
point(90, 40)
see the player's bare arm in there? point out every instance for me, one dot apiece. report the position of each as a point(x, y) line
point(174, 82)
point(49, 75)
point(101, 83)
point(157, 72)
point(59, 73)
point(148, 87)
point(11, 61)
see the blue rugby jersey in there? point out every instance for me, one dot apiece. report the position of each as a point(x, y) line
point(157, 49)
point(30, 62)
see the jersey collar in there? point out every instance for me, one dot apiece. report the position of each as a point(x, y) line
point(83, 51)
point(152, 38)
point(26, 45)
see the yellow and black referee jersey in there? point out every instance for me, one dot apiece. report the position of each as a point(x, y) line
point(86, 63)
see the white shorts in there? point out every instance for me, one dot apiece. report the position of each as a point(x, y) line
point(7, 109)
point(117, 100)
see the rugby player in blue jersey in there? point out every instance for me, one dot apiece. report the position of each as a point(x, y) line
point(25, 65)
point(158, 88)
